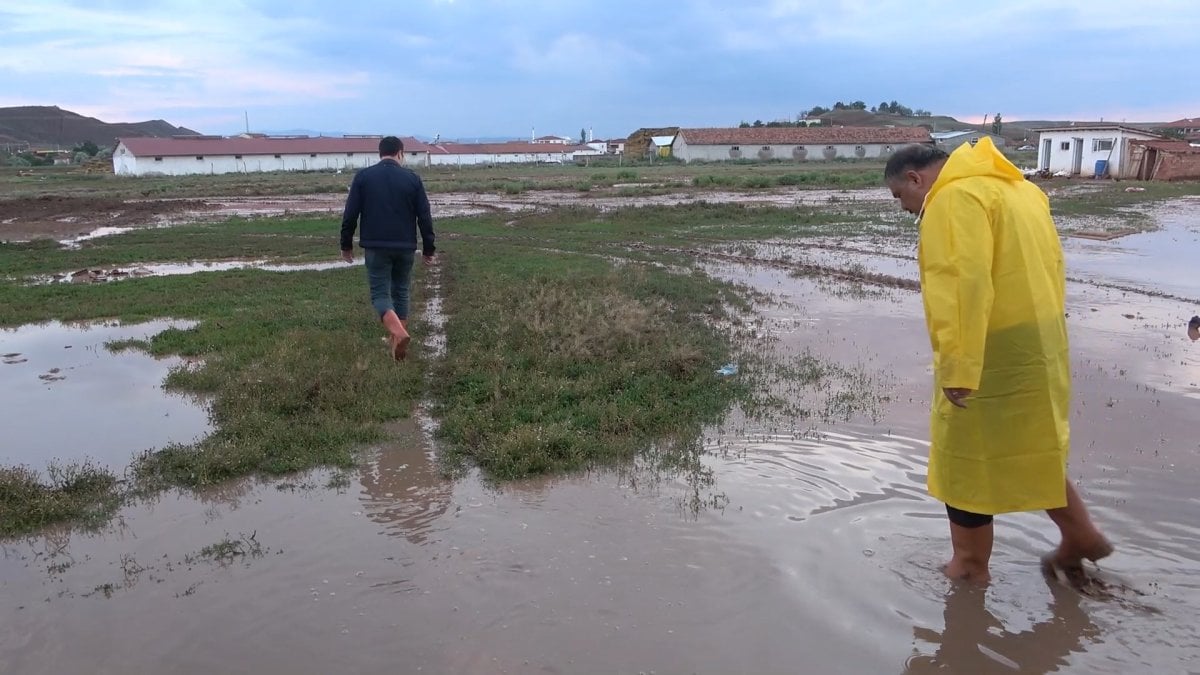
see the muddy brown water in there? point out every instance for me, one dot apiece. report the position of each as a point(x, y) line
point(814, 550)
point(65, 396)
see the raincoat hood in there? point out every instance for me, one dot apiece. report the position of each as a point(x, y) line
point(981, 159)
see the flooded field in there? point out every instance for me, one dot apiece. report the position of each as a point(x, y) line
point(804, 544)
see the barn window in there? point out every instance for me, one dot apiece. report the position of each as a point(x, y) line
point(313, 154)
point(349, 154)
point(766, 147)
point(1065, 145)
point(158, 159)
point(199, 156)
point(736, 147)
point(1102, 144)
point(237, 156)
point(278, 156)
point(859, 147)
point(830, 147)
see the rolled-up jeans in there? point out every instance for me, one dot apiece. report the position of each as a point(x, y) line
point(389, 272)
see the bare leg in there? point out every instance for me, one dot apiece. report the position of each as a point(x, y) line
point(1080, 538)
point(972, 552)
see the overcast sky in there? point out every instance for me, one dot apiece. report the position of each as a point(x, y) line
point(472, 68)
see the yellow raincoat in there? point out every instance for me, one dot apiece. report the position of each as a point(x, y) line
point(993, 283)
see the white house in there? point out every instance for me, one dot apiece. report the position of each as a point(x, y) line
point(616, 146)
point(186, 155)
point(553, 140)
point(1088, 149)
point(793, 143)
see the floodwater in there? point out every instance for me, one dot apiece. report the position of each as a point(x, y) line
point(106, 274)
point(65, 396)
point(814, 548)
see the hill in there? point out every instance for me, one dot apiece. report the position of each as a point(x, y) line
point(51, 127)
point(1013, 131)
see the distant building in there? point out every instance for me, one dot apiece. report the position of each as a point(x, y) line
point(188, 155)
point(554, 140)
point(513, 152)
point(949, 140)
point(615, 146)
point(793, 143)
point(1188, 126)
point(1162, 160)
point(1088, 149)
point(661, 145)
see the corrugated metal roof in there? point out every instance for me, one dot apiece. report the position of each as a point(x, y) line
point(210, 145)
point(662, 141)
point(805, 135)
point(945, 135)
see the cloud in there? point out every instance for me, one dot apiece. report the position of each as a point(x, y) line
point(577, 54)
point(491, 67)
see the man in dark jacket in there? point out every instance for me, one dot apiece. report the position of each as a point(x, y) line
point(388, 204)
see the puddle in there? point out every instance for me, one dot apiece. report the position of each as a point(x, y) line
point(66, 397)
point(1166, 260)
point(107, 274)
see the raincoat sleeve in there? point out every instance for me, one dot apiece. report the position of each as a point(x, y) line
point(956, 257)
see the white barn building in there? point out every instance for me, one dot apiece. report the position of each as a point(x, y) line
point(1088, 149)
point(793, 143)
point(187, 155)
point(514, 152)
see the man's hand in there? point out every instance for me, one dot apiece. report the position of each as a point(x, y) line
point(348, 256)
point(957, 397)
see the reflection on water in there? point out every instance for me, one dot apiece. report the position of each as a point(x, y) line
point(65, 396)
point(403, 489)
point(974, 641)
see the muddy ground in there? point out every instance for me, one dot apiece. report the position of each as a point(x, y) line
point(70, 217)
point(812, 546)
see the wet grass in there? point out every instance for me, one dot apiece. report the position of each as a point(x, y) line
point(1110, 198)
point(574, 338)
point(81, 492)
point(511, 179)
point(585, 364)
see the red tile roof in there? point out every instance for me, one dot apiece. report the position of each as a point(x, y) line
point(1185, 123)
point(806, 136)
point(216, 145)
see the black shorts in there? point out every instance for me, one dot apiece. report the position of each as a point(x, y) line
point(966, 518)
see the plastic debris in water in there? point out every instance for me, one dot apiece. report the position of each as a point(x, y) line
point(728, 369)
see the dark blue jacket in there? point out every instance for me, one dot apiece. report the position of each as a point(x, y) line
point(388, 202)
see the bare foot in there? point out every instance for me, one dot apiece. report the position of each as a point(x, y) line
point(965, 572)
point(1070, 555)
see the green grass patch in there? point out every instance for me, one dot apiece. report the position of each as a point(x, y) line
point(583, 365)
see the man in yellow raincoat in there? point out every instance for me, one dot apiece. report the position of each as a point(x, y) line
point(993, 285)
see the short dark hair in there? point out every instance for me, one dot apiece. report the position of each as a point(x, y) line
point(912, 157)
point(390, 146)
